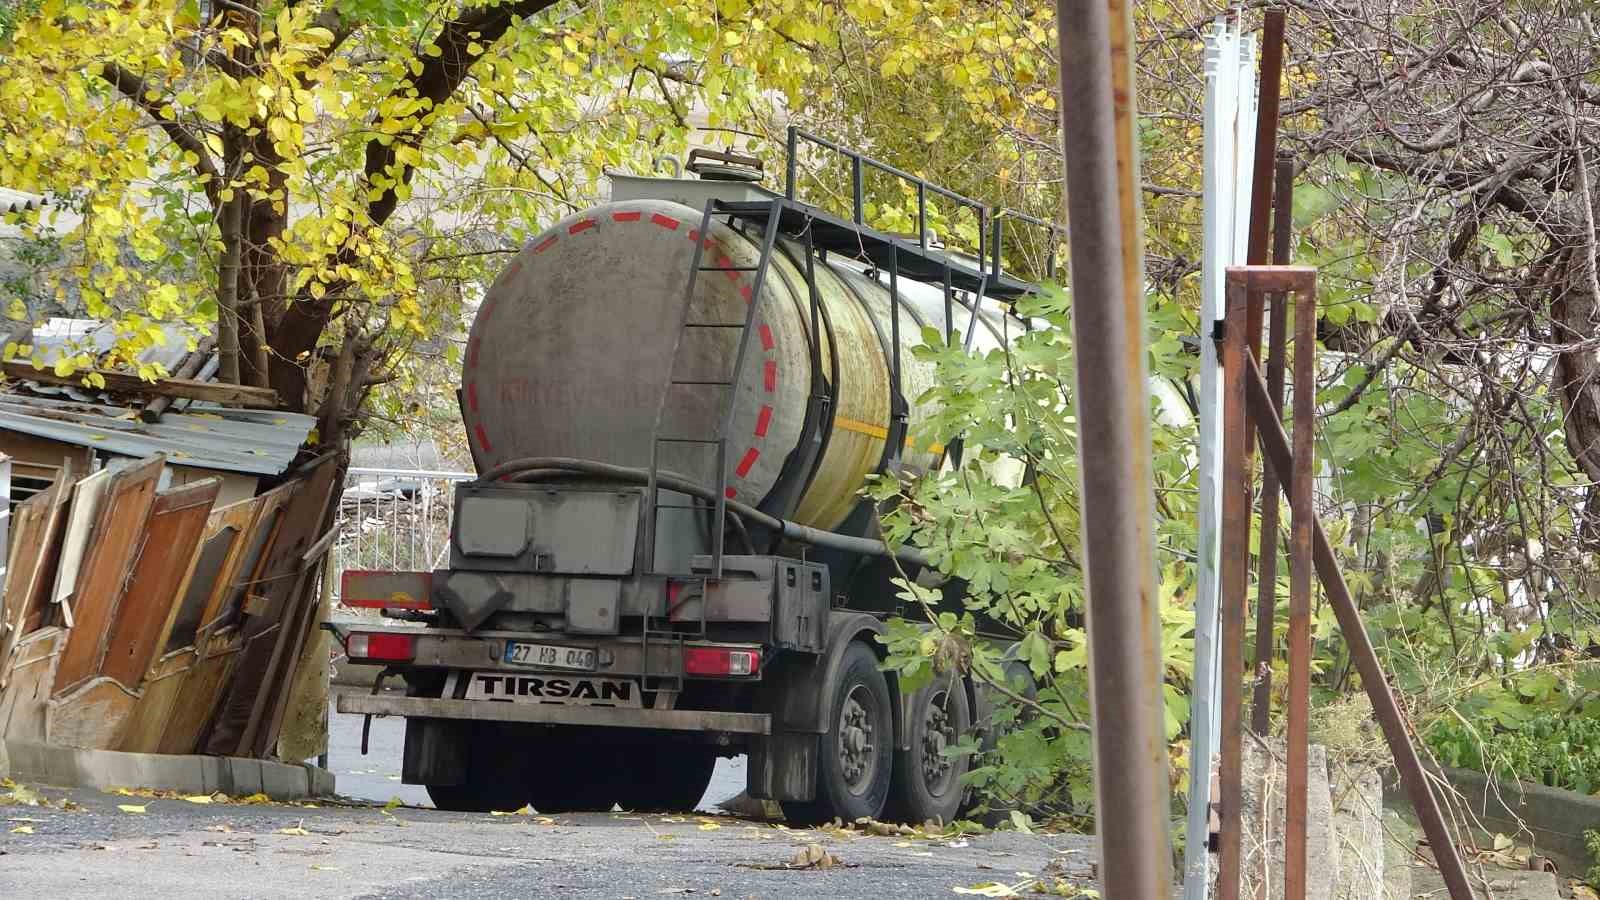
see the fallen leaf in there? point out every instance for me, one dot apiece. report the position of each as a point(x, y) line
point(296, 831)
point(526, 810)
point(989, 889)
point(317, 868)
point(394, 803)
point(22, 829)
point(545, 820)
point(199, 798)
point(130, 808)
point(254, 799)
point(709, 826)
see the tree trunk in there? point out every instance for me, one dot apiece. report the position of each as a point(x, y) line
point(228, 291)
point(1573, 308)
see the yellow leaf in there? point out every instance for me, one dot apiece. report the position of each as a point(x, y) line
point(296, 831)
point(130, 808)
point(22, 829)
point(199, 798)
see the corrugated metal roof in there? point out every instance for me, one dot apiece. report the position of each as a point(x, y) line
point(260, 442)
point(17, 201)
point(59, 337)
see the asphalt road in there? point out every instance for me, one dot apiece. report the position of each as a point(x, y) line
point(174, 849)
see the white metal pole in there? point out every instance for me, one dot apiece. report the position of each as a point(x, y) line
point(1220, 185)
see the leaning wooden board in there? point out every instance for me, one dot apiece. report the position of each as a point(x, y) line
point(87, 495)
point(118, 535)
point(32, 670)
point(251, 523)
point(36, 561)
point(278, 579)
point(27, 533)
point(167, 693)
point(297, 620)
point(201, 691)
point(149, 605)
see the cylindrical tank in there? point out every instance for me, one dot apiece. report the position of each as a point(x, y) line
point(573, 349)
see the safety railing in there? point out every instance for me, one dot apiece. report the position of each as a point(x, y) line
point(395, 519)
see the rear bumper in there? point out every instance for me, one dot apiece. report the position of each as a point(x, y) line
point(663, 719)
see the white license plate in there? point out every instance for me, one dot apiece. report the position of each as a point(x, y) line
point(515, 687)
point(550, 656)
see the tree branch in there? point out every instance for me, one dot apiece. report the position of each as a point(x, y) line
point(135, 88)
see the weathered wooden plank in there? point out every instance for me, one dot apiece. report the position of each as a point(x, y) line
point(179, 388)
point(119, 534)
point(279, 582)
point(87, 495)
point(91, 717)
point(31, 671)
point(150, 603)
point(27, 531)
point(36, 609)
point(157, 699)
point(201, 691)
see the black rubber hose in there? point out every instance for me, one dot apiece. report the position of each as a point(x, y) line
point(542, 466)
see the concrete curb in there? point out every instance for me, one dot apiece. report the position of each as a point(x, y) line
point(56, 766)
point(1557, 818)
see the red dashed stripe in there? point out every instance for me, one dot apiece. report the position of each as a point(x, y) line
point(750, 457)
point(472, 353)
point(665, 221)
point(626, 216)
point(483, 438)
point(472, 396)
point(770, 373)
point(745, 292)
point(731, 493)
point(766, 337)
point(546, 244)
point(581, 226)
point(694, 234)
point(763, 420)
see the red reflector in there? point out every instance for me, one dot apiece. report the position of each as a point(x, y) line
point(720, 661)
point(387, 647)
point(391, 590)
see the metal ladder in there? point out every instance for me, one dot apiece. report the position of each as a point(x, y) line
point(666, 634)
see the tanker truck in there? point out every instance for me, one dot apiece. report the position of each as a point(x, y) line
point(673, 401)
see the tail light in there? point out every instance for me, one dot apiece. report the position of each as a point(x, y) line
point(381, 647)
point(720, 661)
point(386, 590)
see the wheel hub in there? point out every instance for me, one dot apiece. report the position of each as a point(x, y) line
point(937, 733)
point(857, 746)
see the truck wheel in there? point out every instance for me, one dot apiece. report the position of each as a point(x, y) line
point(855, 757)
point(670, 779)
point(476, 796)
point(927, 783)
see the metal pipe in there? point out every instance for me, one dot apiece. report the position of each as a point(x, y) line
point(1125, 675)
point(856, 188)
point(793, 143)
point(1266, 150)
point(1234, 488)
point(541, 466)
point(1300, 566)
point(1385, 708)
point(1267, 583)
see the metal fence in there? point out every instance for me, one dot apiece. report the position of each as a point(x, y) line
point(394, 519)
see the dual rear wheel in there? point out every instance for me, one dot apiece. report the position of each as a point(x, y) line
point(860, 773)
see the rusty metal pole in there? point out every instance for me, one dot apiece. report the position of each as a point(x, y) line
point(1125, 678)
point(1267, 582)
point(1300, 572)
point(1235, 552)
point(1385, 708)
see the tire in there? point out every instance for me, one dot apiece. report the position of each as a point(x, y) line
point(567, 780)
point(665, 779)
point(495, 780)
point(855, 757)
point(927, 784)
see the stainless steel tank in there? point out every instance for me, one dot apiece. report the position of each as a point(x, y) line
point(572, 350)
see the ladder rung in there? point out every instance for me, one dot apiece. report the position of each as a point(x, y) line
point(729, 268)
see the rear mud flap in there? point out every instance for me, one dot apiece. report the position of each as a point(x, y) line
point(783, 766)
